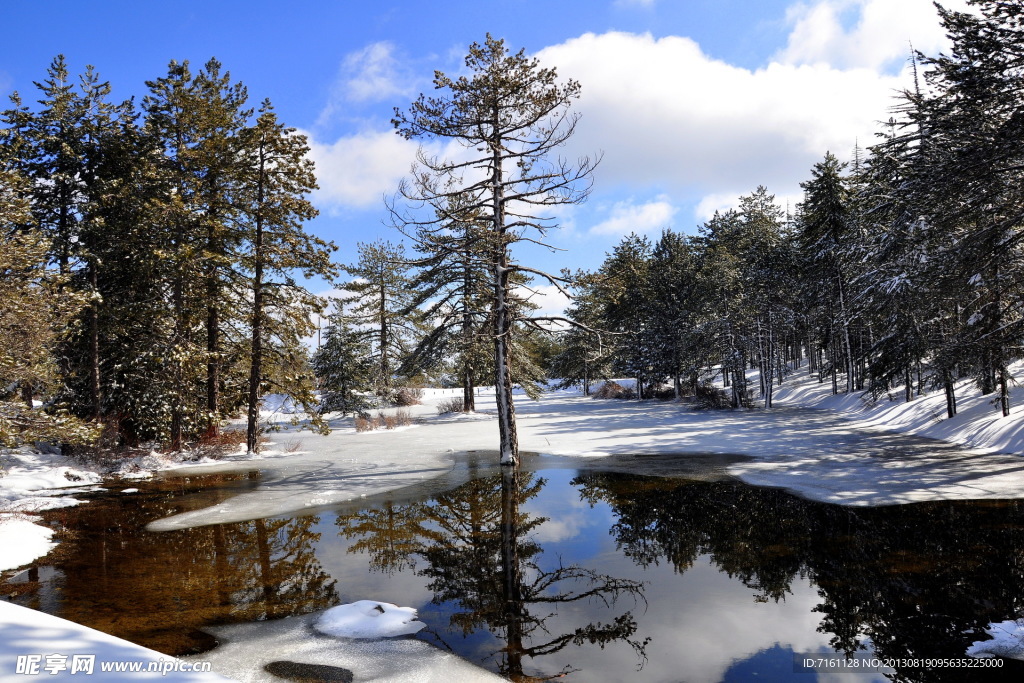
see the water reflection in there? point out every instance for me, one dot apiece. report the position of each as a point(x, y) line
point(475, 545)
point(158, 589)
point(535, 576)
point(917, 581)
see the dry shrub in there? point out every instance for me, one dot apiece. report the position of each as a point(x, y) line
point(708, 397)
point(612, 389)
point(665, 394)
point(367, 423)
point(451, 405)
point(221, 444)
point(408, 396)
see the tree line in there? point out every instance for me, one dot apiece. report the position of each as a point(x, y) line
point(174, 234)
point(156, 249)
point(901, 271)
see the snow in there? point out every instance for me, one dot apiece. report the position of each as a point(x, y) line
point(22, 540)
point(828, 448)
point(28, 632)
point(30, 482)
point(369, 619)
point(804, 444)
point(247, 648)
point(1007, 641)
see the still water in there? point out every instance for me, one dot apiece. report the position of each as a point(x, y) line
point(588, 574)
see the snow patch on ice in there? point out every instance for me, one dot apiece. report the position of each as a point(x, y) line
point(22, 540)
point(247, 648)
point(26, 631)
point(369, 619)
point(1007, 641)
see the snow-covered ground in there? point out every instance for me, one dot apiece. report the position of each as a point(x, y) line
point(830, 448)
point(38, 646)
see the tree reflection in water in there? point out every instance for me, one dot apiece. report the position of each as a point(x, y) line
point(478, 550)
point(920, 581)
point(158, 589)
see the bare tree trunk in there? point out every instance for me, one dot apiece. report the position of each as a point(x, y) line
point(508, 439)
point(252, 436)
point(947, 385)
point(468, 400)
point(95, 399)
point(1004, 392)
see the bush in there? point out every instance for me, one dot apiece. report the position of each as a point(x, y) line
point(668, 394)
point(451, 405)
point(408, 396)
point(365, 422)
point(612, 389)
point(708, 397)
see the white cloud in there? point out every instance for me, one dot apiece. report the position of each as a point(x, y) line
point(876, 33)
point(626, 217)
point(666, 115)
point(372, 74)
point(717, 202)
point(549, 300)
point(359, 170)
point(723, 201)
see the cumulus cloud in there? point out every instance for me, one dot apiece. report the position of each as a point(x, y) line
point(667, 114)
point(862, 33)
point(359, 170)
point(626, 217)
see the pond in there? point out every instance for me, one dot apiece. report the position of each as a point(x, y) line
point(595, 574)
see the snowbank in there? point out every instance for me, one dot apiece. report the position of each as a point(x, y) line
point(978, 424)
point(47, 646)
point(22, 540)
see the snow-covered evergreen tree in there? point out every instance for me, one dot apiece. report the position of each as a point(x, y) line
point(344, 367)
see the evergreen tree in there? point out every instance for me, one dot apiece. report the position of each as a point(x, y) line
point(452, 285)
point(380, 308)
point(344, 367)
point(34, 316)
point(514, 114)
point(828, 244)
point(279, 176)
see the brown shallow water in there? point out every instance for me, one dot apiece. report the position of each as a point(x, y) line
point(570, 571)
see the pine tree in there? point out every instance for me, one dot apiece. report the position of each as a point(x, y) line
point(827, 241)
point(452, 289)
point(380, 308)
point(622, 288)
point(197, 121)
point(344, 367)
point(514, 114)
point(279, 176)
point(34, 317)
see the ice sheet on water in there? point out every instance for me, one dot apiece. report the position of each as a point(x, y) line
point(247, 648)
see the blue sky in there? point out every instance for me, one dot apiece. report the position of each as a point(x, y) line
point(691, 102)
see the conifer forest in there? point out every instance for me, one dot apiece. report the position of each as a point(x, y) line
point(156, 261)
